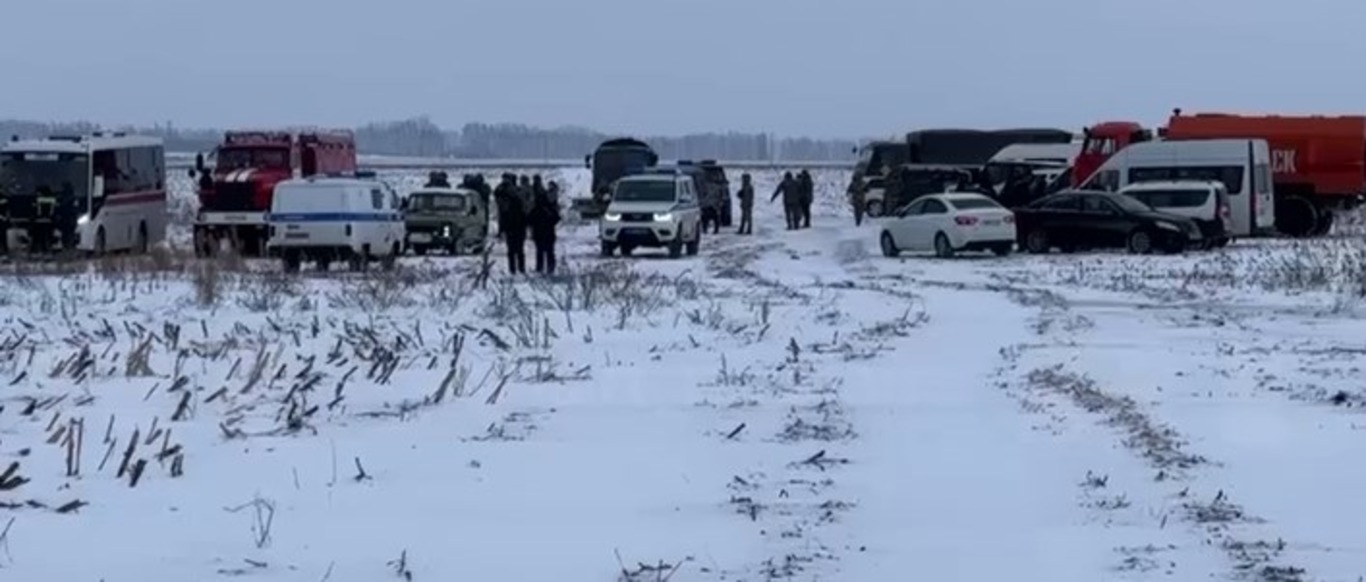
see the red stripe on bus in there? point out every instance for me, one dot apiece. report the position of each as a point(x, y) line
point(135, 198)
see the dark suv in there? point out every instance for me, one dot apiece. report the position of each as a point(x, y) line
point(1084, 219)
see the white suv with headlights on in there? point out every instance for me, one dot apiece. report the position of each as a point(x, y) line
point(652, 210)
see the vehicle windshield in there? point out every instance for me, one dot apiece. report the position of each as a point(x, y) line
point(238, 158)
point(1130, 204)
point(644, 191)
point(440, 202)
point(34, 173)
point(973, 203)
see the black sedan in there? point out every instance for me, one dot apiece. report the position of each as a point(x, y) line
point(1083, 219)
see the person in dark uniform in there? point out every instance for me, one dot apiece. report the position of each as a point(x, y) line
point(544, 216)
point(858, 199)
point(746, 196)
point(514, 226)
point(503, 196)
point(789, 190)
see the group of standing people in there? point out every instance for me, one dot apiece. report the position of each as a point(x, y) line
point(798, 193)
point(527, 205)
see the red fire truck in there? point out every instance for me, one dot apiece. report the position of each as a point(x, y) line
point(1318, 162)
point(235, 195)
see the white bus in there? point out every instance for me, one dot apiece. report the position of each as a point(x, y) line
point(1242, 165)
point(97, 193)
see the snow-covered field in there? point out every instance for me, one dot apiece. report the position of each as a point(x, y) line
point(789, 405)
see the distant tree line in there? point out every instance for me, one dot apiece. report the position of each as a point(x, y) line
point(419, 136)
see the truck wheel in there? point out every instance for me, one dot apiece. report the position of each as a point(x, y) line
point(1296, 216)
point(101, 244)
point(873, 208)
point(1325, 222)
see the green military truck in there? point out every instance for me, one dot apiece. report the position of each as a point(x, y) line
point(612, 160)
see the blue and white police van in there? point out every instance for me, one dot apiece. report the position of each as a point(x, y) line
point(322, 219)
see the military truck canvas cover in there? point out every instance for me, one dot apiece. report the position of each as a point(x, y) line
point(973, 147)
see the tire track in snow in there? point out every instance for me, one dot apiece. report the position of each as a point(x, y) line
point(794, 502)
point(1213, 516)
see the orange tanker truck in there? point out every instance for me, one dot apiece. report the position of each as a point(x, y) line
point(1318, 162)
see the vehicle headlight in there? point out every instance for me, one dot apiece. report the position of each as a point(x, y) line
point(1168, 226)
point(663, 216)
point(84, 218)
point(446, 230)
point(613, 216)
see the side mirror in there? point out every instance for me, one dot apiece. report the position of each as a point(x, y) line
point(588, 161)
point(199, 162)
point(191, 172)
point(97, 189)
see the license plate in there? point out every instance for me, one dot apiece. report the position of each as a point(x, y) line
point(420, 237)
point(296, 235)
point(636, 231)
point(992, 222)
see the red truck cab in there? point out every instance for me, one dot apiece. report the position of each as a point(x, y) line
point(235, 195)
point(1101, 141)
point(1318, 162)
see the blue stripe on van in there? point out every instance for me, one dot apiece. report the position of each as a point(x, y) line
point(335, 217)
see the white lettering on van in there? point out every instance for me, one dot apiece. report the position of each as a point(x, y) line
point(1283, 161)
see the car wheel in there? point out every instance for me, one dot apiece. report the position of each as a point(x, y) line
point(1002, 250)
point(608, 249)
point(695, 244)
point(888, 245)
point(1140, 242)
point(1037, 242)
point(419, 250)
point(101, 242)
point(942, 247)
point(675, 248)
point(873, 208)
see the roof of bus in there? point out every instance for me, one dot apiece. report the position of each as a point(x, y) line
point(81, 144)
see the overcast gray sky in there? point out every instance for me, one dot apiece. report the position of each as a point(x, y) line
point(813, 67)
